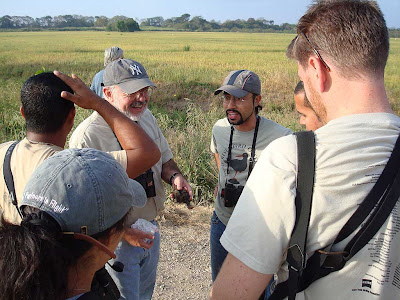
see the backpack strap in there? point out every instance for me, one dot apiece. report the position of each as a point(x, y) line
point(8, 177)
point(103, 286)
point(296, 253)
point(90, 296)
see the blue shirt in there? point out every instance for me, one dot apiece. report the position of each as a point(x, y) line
point(96, 84)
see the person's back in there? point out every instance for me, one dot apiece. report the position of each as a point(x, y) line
point(351, 153)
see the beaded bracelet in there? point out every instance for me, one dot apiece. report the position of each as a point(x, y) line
point(172, 177)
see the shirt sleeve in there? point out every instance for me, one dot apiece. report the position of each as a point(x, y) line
point(260, 227)
point(121, 157)
point(213, 144)
point(166, 153)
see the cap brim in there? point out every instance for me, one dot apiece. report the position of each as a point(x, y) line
point(139, 196)
point(132, 86)
point(232, 90)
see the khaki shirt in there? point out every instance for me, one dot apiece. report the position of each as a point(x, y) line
point(94, 132)
point(24, 160)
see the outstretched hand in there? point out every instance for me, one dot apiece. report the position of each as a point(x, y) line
point(137, 238)
point(179, 182)
point(83, 97)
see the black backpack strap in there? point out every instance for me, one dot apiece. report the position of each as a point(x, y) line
point(90, 296)
point(383, 183)
point(296, 253)
point(104, 286)
point(8, 177)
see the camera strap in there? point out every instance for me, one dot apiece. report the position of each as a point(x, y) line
point(253, 148)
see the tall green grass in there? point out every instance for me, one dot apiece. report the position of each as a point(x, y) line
point(186, 67)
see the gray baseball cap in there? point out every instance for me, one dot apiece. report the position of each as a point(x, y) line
point(239, 83)
point(128, 74)
point(83, 188)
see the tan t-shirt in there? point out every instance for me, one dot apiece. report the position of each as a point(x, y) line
point(24, 160)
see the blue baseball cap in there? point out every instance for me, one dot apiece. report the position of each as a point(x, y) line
point(83, 188)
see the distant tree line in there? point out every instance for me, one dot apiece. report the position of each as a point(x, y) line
point(117, 23)
point(122, 23)
point(197, 23)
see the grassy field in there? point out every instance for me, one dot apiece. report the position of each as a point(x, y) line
point(186, 67)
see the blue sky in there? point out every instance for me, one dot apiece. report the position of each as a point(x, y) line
point(280, 11)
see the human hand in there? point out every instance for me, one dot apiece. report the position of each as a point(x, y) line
point(83, 97)
point(179, 182)
point(136, 238)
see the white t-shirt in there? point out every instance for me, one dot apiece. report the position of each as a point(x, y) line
point(242, 142)
point(351, 153)
point(94, 132)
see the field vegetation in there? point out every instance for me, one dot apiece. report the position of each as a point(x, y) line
point(186, 67)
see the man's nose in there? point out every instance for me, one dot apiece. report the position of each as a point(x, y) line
point(231, 102)
point(141, 96)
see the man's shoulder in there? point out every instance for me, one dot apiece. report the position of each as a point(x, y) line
point(272, 125)
point(148, 116)
point(283, 146)
point(99, 75)
point(5, 145)
point(93, 127)
point(221, 124)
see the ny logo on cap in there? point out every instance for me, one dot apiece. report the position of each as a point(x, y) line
point(135, 69)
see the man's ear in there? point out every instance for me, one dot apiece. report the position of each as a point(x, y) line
point(107, 94)
point(71, 116)
point(318, 73)
point(257, 100)
point(22, 112)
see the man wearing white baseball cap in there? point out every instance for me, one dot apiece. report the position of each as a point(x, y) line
point(128, 88)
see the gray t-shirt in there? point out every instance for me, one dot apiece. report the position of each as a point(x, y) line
point(240, 155)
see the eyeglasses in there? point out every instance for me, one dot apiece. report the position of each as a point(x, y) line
point(146, 92)
point(227, 98)
point(315, 51)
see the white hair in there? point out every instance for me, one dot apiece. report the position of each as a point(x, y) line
point(111, 54)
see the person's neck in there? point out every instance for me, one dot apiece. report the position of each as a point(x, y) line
point(79, 280)
point(57, 139)
point(358, 97)
point(249, 124)
point(80, 276)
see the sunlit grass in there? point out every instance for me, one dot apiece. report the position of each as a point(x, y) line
point(186, 66)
